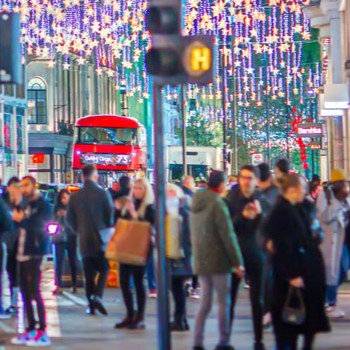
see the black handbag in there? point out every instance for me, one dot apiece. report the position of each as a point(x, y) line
point(294, 314)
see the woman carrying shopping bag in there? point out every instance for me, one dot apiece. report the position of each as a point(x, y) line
point(178, 244)
point(298, 270)
point(137, 209)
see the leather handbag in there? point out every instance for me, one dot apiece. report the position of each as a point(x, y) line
point(173, 225)
point(130, 242)
point(294, 314)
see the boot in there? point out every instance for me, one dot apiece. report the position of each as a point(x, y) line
point(137, 323)
point(259, 346)
point(124, 324)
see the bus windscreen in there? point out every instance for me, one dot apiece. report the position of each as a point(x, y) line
point(107, 136)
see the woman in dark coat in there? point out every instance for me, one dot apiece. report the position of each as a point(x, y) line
point(298, 263)
point(140, 207)
point(180, 269)
point(64, 240)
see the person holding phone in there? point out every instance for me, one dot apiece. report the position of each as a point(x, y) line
point(65, 240)
point(247, 208)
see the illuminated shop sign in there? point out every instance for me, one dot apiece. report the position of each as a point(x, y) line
point(309, 130)
point(106, 159)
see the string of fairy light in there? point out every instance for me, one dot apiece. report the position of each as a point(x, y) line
point(259, 41)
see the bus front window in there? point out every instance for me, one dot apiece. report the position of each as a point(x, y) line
point(107, 136)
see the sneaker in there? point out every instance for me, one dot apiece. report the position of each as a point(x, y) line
point(334, 312)
point(57, 291)
point(12, 310)
point(152, 294)
point(195, 294)
point(23, 338)
point(267, 320)
point(41, 339)
point(4, 315)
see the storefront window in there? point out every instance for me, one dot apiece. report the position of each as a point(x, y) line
point(19, 121)
point(37, 103)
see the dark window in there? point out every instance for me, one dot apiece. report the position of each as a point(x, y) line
point(37, 104)
point(107, 136)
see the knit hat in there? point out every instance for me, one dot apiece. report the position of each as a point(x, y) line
point(338, 175)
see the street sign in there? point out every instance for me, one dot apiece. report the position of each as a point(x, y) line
point(309, 130)
point(315, 145)
point(38, 158)
point(257, 158)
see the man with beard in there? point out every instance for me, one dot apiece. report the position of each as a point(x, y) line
point(247, 207)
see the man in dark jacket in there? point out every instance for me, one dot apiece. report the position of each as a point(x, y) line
point(5, 226)
point(216, 256)
point(90, 213)
point(33, 244)
point(5, 222)
point(247, 207)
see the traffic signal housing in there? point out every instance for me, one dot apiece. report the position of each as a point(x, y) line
point(175, 59)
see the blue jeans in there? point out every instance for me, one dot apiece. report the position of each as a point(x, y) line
point(331, 295)
point(150, 273)
point(344, 265)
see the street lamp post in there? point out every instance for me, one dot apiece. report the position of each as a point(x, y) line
point(164, 340)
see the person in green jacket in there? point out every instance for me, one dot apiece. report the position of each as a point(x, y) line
point(216, 255)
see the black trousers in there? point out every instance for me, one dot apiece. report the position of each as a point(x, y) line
point(60, 249)
point(12, 268)
point(179, 294)
point(29, 279)
point(94, 266)
point(255, 267)
point(137, 273)
point(287, 340)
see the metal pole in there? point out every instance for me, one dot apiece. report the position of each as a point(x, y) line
point(224, 117)
point(184, 136)
point(164, 340)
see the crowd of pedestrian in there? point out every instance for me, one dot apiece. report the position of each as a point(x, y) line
point(288, 239)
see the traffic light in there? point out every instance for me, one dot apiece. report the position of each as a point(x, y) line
point(175, 59)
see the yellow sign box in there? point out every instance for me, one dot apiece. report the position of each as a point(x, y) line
point(197, 59)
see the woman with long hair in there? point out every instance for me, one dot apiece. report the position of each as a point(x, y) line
point(298, 267)
point(180, 269)
point(139, 207)
point(64, 240)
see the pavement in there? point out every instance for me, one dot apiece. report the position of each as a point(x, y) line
point(70, 328)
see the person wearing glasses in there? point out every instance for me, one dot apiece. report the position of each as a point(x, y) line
point(247, 207)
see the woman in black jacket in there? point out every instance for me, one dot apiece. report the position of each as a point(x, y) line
point(180, 269)
point(297, 263)
point(140, 207)
point(64, 240)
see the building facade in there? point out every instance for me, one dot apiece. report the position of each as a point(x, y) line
point(332, 17)
point(13, 131)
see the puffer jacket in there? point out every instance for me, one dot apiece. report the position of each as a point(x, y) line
point(215, 248)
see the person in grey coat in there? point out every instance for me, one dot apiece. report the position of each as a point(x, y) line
point(216, 255)
point(90, 214)
point(333, 212)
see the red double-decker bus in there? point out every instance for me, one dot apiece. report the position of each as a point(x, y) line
point(115, 144)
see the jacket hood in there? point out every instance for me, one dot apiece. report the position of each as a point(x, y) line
point(201, 200)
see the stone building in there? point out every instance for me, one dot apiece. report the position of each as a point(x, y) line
point(332, 17)
point(13, 131)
